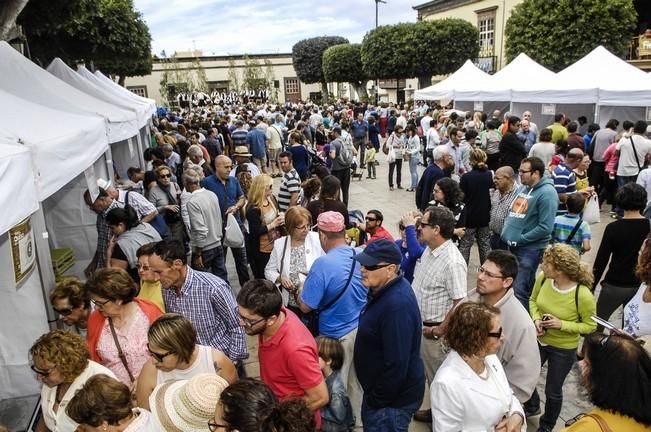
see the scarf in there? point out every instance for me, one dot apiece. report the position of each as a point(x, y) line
point(166, 189)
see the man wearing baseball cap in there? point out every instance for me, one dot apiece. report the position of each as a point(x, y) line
point(387, 348)
point(331, 274)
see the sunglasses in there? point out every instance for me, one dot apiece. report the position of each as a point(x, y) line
point(158, 357)
point(214, 426)
point(43, 373)
point(370, 219)
point(63, 312)
point(375, 267)
point(165, 176)
point(497, 334)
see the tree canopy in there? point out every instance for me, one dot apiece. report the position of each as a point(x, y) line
point(307, 58)
point(558, 33)
point(419, 49)
point(109, 34)
point(343, 63)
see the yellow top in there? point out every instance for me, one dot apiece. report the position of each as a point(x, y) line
point(152, 291)
point(616, 422)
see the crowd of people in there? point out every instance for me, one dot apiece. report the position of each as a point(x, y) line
point(353, 327)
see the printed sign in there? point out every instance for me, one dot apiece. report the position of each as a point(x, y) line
point(548, 109)
point(23, 249)
point(478, 106)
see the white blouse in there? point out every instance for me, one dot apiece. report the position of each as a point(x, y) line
point(59, 421)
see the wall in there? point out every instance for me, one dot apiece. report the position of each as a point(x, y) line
point(467, 10)
point(217, 67)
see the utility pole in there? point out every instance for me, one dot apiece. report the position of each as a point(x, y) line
point(377, 81)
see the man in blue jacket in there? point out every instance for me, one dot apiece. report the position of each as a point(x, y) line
point(387, 349)
point(529, 224)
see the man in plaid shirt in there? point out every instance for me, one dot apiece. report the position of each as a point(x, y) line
point(203, 298)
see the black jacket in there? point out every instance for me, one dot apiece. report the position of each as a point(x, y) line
point(512, 151)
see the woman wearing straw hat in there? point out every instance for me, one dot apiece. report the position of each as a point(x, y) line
point(186, 405)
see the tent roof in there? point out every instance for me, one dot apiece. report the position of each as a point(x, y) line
point(464, 84)
point(118, 89)
point(519, 72)
point(26, 80)
point(18, 180)
point(61, 70)
point(62, 146)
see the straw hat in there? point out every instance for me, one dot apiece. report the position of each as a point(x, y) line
point(187, 405)
point(241, 151)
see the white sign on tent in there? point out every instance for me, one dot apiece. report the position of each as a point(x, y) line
point(548, 109)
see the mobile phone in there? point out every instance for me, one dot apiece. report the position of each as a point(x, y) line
point(546, 318)
point(609, 326)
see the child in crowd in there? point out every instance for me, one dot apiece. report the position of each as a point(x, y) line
point(570, 228)
point(369, 160)
point(337, 416)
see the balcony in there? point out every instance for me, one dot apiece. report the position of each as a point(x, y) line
point(487, 60)
point(639, 52)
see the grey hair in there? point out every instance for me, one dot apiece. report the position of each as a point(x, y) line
point(190, 176)
point(440, 152)
point(168, 146)
point(195, 150)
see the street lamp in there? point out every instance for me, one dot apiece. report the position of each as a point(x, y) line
point(377, 81)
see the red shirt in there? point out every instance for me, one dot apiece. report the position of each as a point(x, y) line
point(289, 361)
point(380, 232)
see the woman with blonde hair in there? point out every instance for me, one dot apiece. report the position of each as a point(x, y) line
point(479, 125)
point(561, 306)
point(61, 362)
point(476, 185)
point(175, 355)
point(104, 402)
point(265, 220)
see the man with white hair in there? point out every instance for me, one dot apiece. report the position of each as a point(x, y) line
point(442, 163)
point(532, 126)
point(402, 120)
point(172, 159)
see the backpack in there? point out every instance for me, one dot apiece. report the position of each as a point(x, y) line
point(345, 152)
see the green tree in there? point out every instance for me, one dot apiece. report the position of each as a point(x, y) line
point(107, 34)
point(233, 76)
point(343, 63)
point(270, 76)
point(307, 58)
point(9, 11)
point(253, 77)
point(558, 33)
point(421, 49)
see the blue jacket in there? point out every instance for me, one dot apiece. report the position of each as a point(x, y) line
point(387, 348)
point(337, 416)
point(257, 139)
point(430, 176)
point(411, 252)
point(530, 221)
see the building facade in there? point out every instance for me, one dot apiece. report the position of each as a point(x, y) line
point(219, 72)
point(489, 16)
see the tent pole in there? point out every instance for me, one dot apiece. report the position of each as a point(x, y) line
point(109, 164)
point(44, 262)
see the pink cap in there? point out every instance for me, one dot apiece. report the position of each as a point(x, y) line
point(331, 221)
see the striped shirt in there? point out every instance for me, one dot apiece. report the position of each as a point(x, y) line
point(208, 302)
point(564, 183)
point(440, 277)
point(291, 183)
point(563, 226)
point(238, 137)
point(500, 207)
point(140, 204)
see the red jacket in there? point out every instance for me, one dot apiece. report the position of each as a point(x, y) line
point(96, 322)
point(380, 232)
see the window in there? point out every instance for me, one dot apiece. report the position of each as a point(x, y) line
point(486, 25)
point(292, 86)
point(140, 91)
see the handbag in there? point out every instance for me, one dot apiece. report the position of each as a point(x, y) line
point(233, 236)
point(123, 358)
point(385, 146)
point(603, 426)
point(311, 320)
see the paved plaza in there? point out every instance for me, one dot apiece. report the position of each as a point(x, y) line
point(374, 194)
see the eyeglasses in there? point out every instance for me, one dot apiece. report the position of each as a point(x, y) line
point(63, 312)
point(158, 357)
point(214, 426)
point(497, 334)
point(165, 176)
point(375, 267)
point(524, 171)
point(370, 219)
point(43, 373)
point(249, 322)
point(100, 304)
point(604, 341)
point(481, 270)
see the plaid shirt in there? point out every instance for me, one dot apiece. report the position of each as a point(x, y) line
point(500, 207)
point(440, 277)
point(207, 301)
point(104, 234)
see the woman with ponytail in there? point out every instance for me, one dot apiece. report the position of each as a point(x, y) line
point(476, 185)
point(561, 306)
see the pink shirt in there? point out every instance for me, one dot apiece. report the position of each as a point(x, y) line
point(133, 341)
point(610, 157)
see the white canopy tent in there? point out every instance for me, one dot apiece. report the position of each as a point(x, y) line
point(118, 89)
point(464, 83)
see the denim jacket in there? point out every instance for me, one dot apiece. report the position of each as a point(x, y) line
point(337, 416)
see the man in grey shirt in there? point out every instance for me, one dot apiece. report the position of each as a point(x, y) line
point(341, 154)
point(600, 142)
point(205, 228)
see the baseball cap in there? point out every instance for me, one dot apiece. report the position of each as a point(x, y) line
point(330, 221)
point(379, 251)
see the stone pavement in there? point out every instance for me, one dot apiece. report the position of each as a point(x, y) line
point(374, 194)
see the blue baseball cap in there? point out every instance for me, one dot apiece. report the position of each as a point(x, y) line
point(379, 251)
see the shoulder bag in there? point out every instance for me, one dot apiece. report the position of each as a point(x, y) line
point(569, 238)
point(640, 167)
point(123, 358)
point(311, 320)
point(603, 426)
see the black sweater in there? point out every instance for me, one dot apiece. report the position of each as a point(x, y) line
point(476, 186)
point(622, 239)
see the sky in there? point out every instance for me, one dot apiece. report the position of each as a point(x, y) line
point(221, 27)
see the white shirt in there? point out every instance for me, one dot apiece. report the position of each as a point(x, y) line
point(401, 121)
point(59, 421)
point(253, 169)
point(644, 180)
point(424, 123)
point(463, 401)
point(627, 164)
point(143, 423)
point(433, 138)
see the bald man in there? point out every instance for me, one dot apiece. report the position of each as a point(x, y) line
point(231, 200)
point(501, 198)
